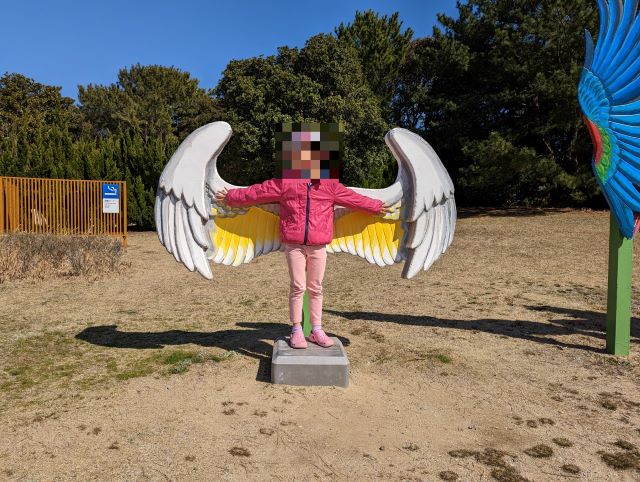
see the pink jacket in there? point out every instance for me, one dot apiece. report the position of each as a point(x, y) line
point(306, 208)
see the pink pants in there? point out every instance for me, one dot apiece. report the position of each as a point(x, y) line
point(306, 270)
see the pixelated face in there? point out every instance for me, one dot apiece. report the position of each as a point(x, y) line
point(309, 150)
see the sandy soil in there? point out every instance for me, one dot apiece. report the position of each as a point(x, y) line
point(495, 350)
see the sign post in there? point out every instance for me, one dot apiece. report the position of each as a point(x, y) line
point(110, 198)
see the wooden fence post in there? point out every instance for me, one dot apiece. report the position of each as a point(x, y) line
point(1, 205)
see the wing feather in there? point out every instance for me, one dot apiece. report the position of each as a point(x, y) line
point(197, 255)
point(421, 229)
point(241, 251)
point(343, 244)
point(368, 236)
point(359, 243)
point(220, 243)
point(164, 221)
point(373, 239)
point(418, 257)
point(181, 239)
point(351, 245)
point(435, 247)
point(181, 210)
point(609, 94)
point(429, 205)
point(368, 252)
point(259, 236)
point(418, 231)
point(268, 238)
point(392, 241)
point(238, 236)
point(191, 226)
point(195, 224)
point(627, 192)
point(157, 208)
point(251, 242)
point(631, 171)
point(383, 243)
point(172, 229)
point(231, 250)
point(275, 234)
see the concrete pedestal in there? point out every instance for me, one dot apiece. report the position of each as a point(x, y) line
point(313, 366)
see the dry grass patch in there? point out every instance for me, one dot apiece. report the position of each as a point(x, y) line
point(490, 456)
point(239, 452)
point(34, 364)
point(539, 451)
point(507, 474)
point(571, 469)
point(495, 458)
point(621, 460)
point(448, 475)
point(562, 442)
point(43, 256)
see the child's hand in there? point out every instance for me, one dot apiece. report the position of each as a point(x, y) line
point(220, 196)
point(385, 209)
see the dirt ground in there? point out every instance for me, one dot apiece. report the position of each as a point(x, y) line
point(490, 366)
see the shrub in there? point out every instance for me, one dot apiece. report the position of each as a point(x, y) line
point(43, 256)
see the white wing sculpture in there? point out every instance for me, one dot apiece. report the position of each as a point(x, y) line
point(195, 229)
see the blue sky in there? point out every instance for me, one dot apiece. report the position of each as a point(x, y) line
point(71, 42)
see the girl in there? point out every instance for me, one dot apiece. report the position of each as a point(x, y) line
point(307, 195)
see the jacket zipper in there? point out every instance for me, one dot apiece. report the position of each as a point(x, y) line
point(306, 221)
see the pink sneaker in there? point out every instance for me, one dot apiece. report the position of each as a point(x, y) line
point(319, 337)
point(296, 340)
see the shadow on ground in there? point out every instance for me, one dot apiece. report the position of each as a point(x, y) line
point(574, 322)
point(507, 212)
point(249, 341)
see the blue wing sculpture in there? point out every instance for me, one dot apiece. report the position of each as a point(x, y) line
point(609, 94)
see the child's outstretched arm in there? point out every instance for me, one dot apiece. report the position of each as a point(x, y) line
point(264, 192)
point(348, 198)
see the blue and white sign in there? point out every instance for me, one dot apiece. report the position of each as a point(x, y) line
point(110, 198)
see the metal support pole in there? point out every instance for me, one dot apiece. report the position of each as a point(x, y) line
point(306, 322)
point(619, 291)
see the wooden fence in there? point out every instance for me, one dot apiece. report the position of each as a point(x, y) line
point(63, 206)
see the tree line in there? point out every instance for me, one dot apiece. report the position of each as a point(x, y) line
point(493, 89)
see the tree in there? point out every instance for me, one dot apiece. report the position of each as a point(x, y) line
point(382, 48)
point(509, 84)
point(152, 100)
point(25, 102)
point(37, 127)
point(321, 82)
point(140, 121)
point(493, 90)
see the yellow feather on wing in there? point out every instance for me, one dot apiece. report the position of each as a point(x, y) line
point(218, 243)
point(241, 251)
point(231, 249)
point(259, 236)
point(251, 243)
point(342, 243)
point(358, 237)
point(373, 240)
point(392, 238)
point(335, 244)
point(368, 236)
point(239, 238)
point(275, 235)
